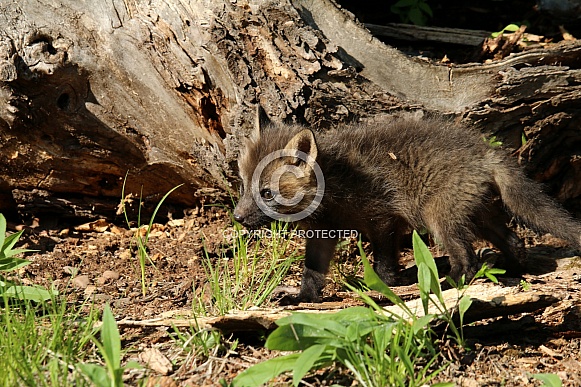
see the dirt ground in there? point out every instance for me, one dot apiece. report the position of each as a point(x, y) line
point(97, 262)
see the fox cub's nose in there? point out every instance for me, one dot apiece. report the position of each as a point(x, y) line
point(239, 218)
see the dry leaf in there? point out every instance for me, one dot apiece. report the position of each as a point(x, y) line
point(154, 359)
point(116, 230)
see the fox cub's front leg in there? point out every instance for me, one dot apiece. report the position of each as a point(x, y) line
point(318, 255)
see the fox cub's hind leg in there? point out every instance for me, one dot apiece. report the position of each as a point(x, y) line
point(457, 240)
point(492, 226)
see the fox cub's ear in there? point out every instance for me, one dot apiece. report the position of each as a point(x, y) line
point(261, 121)
point(303, 141)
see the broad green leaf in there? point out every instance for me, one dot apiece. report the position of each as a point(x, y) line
point(31, 293)
point(511, 28)
point(352, 315)
point(118, 377)
point(133, 365)
point(424, 284)
point(330, 323)
point(110, 339)
point(306, 361)
point(426, 8)
point(295, 338)
point(97, 374)
point(261, 373)
point(405, 3)
point(416, 16)
point(508, 28)
point(422, 323)
point(302, 330)
point(463, 306)
point(549, 380)
point(422, 254)
point(362, 328)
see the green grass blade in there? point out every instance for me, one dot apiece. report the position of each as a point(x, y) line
point(157, 209)
point(373, 281)
point(2, 232)
point(11, 240)
point(10, 264)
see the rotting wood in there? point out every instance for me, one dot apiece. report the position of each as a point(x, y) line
point(488, 301)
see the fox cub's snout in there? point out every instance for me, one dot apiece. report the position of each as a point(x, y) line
point(277, 182)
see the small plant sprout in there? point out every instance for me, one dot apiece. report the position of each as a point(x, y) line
point(493, 142)
point(509, 28)
point(524, 285)
point(415, 11)
point(245, 274)
point(142, 234)
point(110, 375)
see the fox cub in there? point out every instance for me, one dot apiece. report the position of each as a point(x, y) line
point(383, 178)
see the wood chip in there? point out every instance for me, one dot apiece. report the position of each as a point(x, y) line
point(550, 352)
point(99, 225)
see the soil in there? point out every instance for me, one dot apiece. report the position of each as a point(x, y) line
point(97, 262)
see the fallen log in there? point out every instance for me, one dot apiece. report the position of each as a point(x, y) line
point(167, 91)
point(488, 301)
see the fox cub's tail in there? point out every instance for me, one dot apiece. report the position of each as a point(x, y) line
point(526, 200)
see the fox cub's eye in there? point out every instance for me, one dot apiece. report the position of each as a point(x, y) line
point(267, 194)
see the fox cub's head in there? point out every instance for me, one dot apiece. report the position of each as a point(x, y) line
point(281, 179)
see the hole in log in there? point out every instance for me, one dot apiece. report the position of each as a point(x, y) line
point(212, 117)
point(63, 101)
point(46, 41)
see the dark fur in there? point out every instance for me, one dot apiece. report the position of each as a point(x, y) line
point(384, 178)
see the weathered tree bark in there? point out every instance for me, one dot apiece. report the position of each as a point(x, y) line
point(166, 90)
